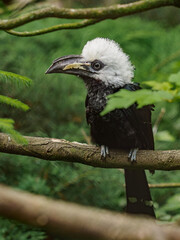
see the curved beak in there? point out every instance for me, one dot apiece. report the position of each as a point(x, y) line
point(71, 64)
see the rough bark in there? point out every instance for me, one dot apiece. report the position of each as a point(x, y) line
point(78, 222)
point(93, 14)
point(62, 150)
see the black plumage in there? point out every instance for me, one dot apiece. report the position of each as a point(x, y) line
point(105, 70)
point(123, 129)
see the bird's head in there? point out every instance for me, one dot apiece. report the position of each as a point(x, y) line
point(101, 60)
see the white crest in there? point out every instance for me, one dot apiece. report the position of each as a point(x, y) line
point(118, 69)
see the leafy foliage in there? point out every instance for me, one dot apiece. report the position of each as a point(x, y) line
point(161, 91)
point(171, 207)
point(18, 231)
point(175, 79)
point(13, 103)
point(14, 78)
point(2, 5)
point(57, 110)
point(7, 125)
point(125, 98)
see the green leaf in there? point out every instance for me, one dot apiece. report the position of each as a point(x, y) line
point(178, 94)
point(15, 78)
point(175, 78)
point(125, 98)
point(165, 86)
point(13, 103)
point(145, 97)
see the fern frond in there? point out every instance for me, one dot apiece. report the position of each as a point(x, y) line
point(7, 126)
point(7, 121)
point(14, 103)
point(15, 78)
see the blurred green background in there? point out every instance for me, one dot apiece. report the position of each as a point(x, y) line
point(57, 110)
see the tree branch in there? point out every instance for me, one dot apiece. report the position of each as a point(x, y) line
point(84, 23)
point(165, 185)
point(100, 13)
point(62, 150)
point(78, 222)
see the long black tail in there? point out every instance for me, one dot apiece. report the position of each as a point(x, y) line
point(137, 193)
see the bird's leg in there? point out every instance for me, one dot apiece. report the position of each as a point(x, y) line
point(104, 151)
point(132, 154)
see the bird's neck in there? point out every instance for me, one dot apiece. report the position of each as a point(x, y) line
point(97, 94)
point(95, 85)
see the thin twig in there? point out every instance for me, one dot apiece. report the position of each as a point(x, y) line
point(165, 185)
point(158, 120)
point(162, 185)
point(86, 137)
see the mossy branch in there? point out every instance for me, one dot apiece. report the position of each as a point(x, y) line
point(72, 221)
point(62, 150)
point(77, 25)
point(98, 14)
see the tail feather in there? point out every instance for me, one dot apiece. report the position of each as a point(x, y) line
point(138, 195)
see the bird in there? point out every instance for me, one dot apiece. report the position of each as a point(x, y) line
point(106, 69)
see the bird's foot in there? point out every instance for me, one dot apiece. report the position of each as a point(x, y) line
point(104, 151)
point(132, 154)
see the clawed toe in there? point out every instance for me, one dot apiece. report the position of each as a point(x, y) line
point(104, 151)
point(132, 155)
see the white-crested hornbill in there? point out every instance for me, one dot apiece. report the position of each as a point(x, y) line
point(106, 69)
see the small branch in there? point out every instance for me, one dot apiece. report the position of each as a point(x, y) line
point(81, 24)
point(68, 220)
point(111, 12)
point(86, 137)
point(62, 150)
point(165, 185)
point(158, 120)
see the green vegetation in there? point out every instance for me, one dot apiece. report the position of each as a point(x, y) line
point(57, 110)
point(7, 125)
point(161, 91)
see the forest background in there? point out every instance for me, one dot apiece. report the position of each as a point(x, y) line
point(57, 110)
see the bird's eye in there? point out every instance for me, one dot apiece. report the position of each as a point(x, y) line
point(97, 65)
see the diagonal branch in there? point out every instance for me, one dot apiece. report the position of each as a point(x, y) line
point(111, 12)
point(68, 220)
point(62, 150)
point(84, 23)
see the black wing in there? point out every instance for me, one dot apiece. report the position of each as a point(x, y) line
point(140, 120)
point(122, 128)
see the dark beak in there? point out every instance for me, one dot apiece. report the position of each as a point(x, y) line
point(72, 64)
